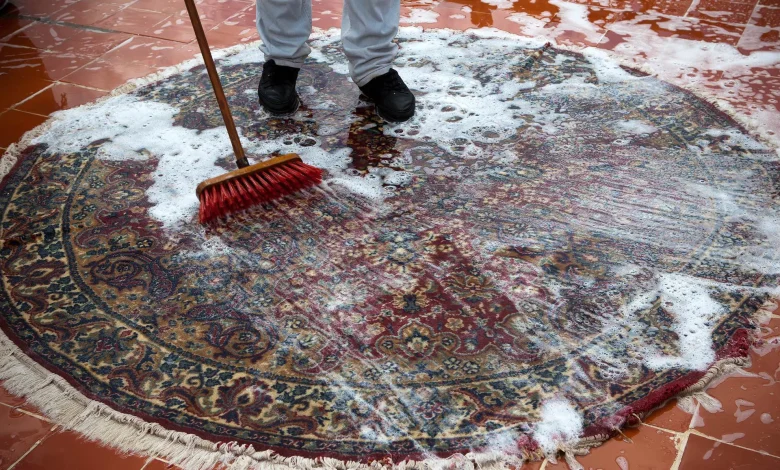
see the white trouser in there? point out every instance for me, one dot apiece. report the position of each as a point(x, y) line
point(368, 28)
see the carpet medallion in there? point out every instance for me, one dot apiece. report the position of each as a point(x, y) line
point(551, 248)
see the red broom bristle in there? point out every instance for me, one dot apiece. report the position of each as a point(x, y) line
point(255, 188)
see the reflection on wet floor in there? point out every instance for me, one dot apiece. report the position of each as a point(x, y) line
point(370, 145)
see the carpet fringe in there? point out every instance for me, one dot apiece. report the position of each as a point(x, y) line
point(62, 404)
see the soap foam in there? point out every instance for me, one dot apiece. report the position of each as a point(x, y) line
point(139, 129)
point(635, 127)
point(695, 312)
point(560, 424)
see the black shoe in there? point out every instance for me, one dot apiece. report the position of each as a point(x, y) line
point(394, 102)
point(277, 88)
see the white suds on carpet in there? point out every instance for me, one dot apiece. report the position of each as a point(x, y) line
point(560, 424)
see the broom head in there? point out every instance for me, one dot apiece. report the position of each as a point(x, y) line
point(255, 184)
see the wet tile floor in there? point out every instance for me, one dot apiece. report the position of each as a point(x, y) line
point(57, 54)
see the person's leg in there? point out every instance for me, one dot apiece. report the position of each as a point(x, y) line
point(368, 28)
point(284, 27)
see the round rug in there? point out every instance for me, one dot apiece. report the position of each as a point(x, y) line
point(553, 246)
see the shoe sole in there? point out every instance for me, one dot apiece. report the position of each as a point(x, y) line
point(282, 112)
point(391, 120)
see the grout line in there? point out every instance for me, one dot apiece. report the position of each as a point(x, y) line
point(22, 410)
point(694, 4)
point(683, 444)
point(606, 30)
point(30, 97)
point(81, 86)
point(749, 22)
point(37, 443)
point(658, 428)
point(6, 44)
point(14, 33)
point(31, 113)
point(91, 28)
point(707, 436)
point(126, 41)
point(692, 423)
point(68, 24)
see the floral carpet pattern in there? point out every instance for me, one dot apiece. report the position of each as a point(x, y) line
point(549, 227)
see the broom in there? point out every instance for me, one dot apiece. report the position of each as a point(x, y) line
point(249, 184)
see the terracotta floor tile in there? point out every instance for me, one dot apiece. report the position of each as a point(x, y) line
point(246, 18)
point(160, 465)
point(42, 36)
point(24, 63)
point(166, 6)
point(144, 52)
point(694, 29)
point(225, 35)
point(135, 59)
point(7, 398)
point(704, 453)
point(176, 28)
point(536, 9)
point(18, 433)
point(443, 18)
point(14, 124)
point(725, 11)
point(216, 11)
point(760, 85)
point(648, 449)
point(66, 451)
point(92, 43)
point(606, 16)
point(667, 7)
point(327, 15)
point(767, 17)
point(15, 90)
point(133, 21)
point(41, 9)
point(89, 12)
point(59, 96)
point(750, 415)
point(107, 75)
point(759, 38)
point(670, 417)
point(611, 40)
point(10, 25)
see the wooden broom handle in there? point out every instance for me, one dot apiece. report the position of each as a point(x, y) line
point(241, 160)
